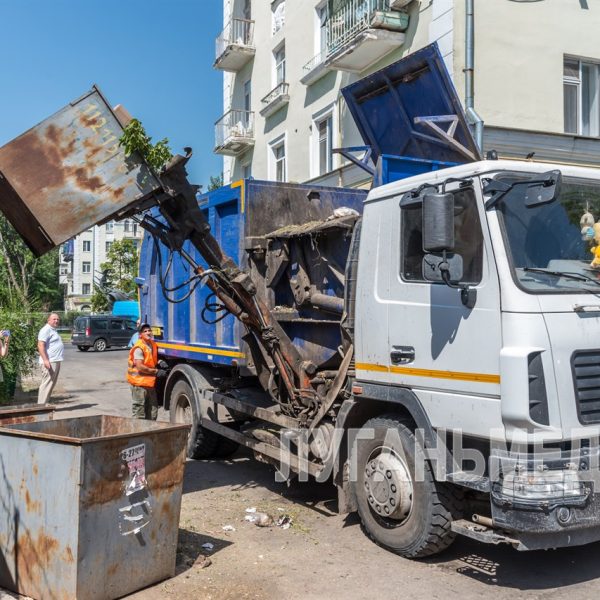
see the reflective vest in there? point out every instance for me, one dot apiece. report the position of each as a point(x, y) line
point(134, 377)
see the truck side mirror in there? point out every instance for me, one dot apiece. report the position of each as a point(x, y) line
point(434, 265)
point(438, 223)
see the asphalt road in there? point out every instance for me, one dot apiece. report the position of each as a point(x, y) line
point(323, 555)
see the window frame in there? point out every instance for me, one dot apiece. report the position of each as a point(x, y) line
point(83, 288)
point(86, 267)
point(274, 161)
point(579, 84)
point(86, 245)
point(478, 254)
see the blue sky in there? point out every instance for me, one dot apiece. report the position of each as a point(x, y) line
point(153, 56)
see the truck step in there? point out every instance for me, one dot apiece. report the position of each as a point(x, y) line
point(468, 480)
point(481, 533)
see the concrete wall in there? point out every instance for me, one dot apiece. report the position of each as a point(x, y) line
point(519, 49)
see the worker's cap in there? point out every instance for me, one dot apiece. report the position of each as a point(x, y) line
point(144, 326)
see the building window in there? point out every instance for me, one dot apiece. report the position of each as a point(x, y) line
point(581, 92)
point(126, 226)
point(87, 246)
point(86, 267)
point(278, 15)
point(247, 102)
point(321, 33)
point(247, 171)
point(321, 143)
point(86, 289)
point(107, 246)
point(279, 61)
point(277, 160)
point(247, 10)
point(110, 226)
point(324, 138)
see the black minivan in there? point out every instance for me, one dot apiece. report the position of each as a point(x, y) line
point(102, 331)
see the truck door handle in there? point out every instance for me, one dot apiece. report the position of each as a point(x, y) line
point(401, 355)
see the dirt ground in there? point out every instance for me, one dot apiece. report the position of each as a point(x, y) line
point(321, 555)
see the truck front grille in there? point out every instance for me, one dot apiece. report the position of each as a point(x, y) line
point(586, 376)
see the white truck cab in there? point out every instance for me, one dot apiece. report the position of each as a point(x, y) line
point(502, 357)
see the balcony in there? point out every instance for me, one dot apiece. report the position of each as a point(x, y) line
point(276, 99)
point(234, 132)
point(362, 32)
point(314, 69)
point(235, 45)
point(68, 250)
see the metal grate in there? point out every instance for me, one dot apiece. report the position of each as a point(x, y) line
point(586, 377)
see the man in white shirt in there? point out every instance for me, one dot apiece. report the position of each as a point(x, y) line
point(51, 349)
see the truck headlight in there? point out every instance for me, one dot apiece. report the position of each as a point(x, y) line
point(535, 485)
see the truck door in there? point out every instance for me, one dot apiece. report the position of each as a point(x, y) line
point(447, 353)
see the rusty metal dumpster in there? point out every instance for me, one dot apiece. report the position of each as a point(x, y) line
point(69, 172)
point(89, 506)
point(25, 413)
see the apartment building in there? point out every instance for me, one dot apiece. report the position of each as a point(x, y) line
point(536, 74)
point(81, 257)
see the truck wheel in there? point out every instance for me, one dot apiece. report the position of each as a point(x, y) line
point(226, 446)
point(202, 443)
point(407, 515)
point(100, 345)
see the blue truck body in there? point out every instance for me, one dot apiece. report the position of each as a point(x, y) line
point(240, 216)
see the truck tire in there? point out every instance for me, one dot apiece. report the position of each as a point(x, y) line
point(202, 443)
point(407, 516)
point(226, 446)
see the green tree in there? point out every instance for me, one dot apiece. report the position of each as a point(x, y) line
point(135, 139)
point(99, 300)
point(121, 267)
point(26, 281)
point(215, 182)
point(22, 352)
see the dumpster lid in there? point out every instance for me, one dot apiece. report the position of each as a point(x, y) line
point(411, 108)
point(69, 172)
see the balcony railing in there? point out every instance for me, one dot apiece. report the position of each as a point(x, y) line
point(234, 132)
point(346, 26)
point(275, 99)
point(315, 68)
point(235, 45)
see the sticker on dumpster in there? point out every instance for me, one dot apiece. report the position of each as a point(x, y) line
point(135, 457)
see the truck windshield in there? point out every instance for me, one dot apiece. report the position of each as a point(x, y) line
point(548, 250)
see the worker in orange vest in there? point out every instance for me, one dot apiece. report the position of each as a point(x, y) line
point(143, 370)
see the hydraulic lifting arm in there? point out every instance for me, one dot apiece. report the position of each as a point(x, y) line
point(185, 221)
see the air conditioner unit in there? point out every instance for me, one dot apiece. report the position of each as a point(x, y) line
point(398, 4)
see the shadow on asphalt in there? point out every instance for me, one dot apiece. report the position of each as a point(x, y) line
point(536, 570)
point(190, 551)
point(242, 471)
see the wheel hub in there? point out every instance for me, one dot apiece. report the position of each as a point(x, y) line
point(389, 486)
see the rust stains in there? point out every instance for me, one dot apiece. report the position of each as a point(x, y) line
point(68, 555)
point(85, 181)
point(32, 505)
point(33, 557)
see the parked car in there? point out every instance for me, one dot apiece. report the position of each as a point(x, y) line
point(101, 332)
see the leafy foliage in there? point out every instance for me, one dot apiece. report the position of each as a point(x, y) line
point(26, 281)
point(22, 353)
point(135, 139)
point(215, 182)
point(121, 267)
point(99, 300)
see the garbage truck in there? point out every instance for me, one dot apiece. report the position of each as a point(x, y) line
point(432, 346)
